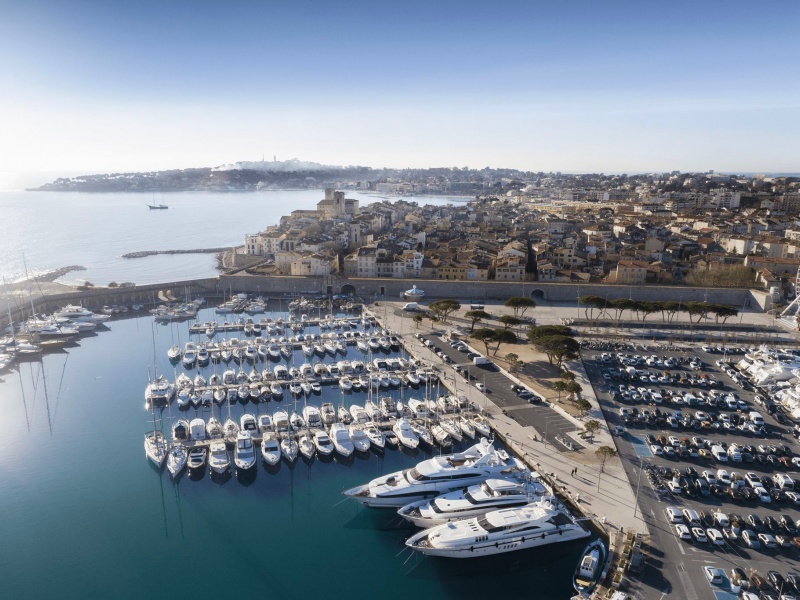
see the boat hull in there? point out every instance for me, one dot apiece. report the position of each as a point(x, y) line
point(489, 548)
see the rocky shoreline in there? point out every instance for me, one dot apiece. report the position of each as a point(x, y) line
point(144, 253)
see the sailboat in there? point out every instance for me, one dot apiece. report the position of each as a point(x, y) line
point(155, 444)
point(176, 460)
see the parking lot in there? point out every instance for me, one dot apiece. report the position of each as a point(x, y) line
point(526, 411)
point(688, 440)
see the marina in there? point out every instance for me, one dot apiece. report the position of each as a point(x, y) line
point(71, 395)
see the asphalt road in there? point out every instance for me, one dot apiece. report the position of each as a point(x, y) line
point(548, 423)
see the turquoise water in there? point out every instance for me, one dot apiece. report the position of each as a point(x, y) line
point(85, 515)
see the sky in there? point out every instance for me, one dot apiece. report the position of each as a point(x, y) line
point(571, 86)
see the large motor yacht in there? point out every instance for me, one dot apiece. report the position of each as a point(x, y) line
point(478, 499)
point(544, 522)
point(436, 475)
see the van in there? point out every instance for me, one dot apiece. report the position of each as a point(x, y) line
point(411, 306)
point(756, 418)
point(783, 481)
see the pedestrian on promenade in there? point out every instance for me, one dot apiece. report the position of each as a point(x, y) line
point(575, 472)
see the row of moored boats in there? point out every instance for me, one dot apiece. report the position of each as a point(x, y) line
point(472, 503)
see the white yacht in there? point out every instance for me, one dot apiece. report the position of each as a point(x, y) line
point(323, 443)
point(481, 425)
point(359, 437)
point(327, 413)
point(436, 475)
point(419, 408)
point(538, 524)
point(412, 378)
point(289, 448)
point(388, 407)
point(312, 417)
point(245, 453)
point(197, 458)
point(345, 384)
point(176, 460)
point(213, 428)
point(197, 429)
point(219, 461)
point(344, 415)
point(180, 430)
point(265, 424)
point(248, 423)
point(270, 450)
point(341, 439)
point(375, 436)
point(155, 447)
point(159, 391)
point(478, 499)
point(189, 355)
point(306, 445)
point(281, 372)
point(405, 434)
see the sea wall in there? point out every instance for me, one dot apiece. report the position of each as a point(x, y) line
point(483, 290)
point(370, 289)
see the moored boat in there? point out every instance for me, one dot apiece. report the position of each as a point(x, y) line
point(590, 567)
point(537, 524)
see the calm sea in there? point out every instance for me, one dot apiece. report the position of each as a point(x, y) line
point(86, 516)
point(59, 229)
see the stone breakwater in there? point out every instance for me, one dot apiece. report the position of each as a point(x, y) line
point(144, 253)
point(51, 276)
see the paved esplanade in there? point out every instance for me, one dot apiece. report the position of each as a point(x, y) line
point(615, 499)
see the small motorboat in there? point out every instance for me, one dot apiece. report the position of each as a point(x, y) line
point(323, 443)
point(245, 454)
point(219, 461)
point(590, 567)
point(197, 458)
point(270, 450)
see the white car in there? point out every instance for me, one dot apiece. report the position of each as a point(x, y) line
point(674, 487)
point(481, 387)
point(723, 477)
point(683, 531)
point(656, 450)
point(699, 534)
point(674, 514)
point(721, 519)
point(715, 576)
point(715, 536)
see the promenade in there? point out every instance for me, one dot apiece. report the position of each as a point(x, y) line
point(608, 496)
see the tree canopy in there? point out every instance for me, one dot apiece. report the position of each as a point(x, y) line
point(519, 304)
point(509, 320)
point(475, 316)
point(558, 348)
point(537, 331)
point(443, 308)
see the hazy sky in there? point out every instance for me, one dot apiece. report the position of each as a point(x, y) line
point(542, 85)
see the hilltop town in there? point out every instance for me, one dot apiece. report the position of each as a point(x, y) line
point(689, 229)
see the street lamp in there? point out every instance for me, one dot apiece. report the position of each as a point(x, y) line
point(546, 426)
